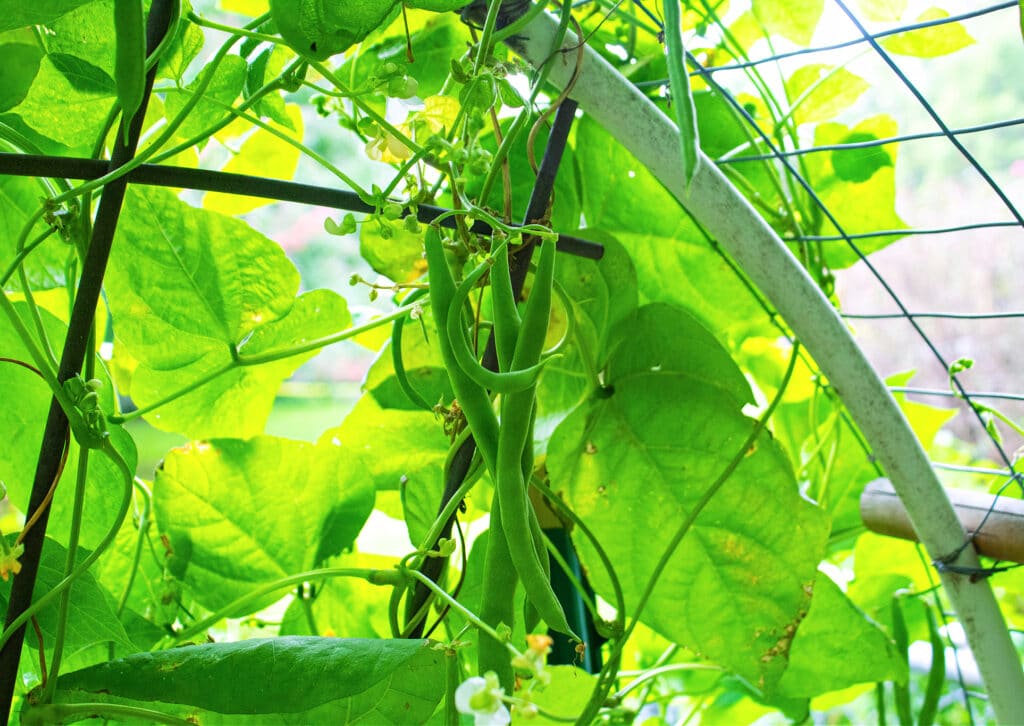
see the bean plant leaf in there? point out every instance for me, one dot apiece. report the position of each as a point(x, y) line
point(344, 607)
point(432, 43)
point(744, 582)
point(18, 13)
point(394, 441)
point(105, 489)
point(837, 646)
point(152, 592)
point(603, 294)
point(264, 69)
point(225, 86)
point(286, 680)
point(187, 287)
point(45, 267)
point(405, 451)
point(675, 262)
point(859, 204)
point(691, 351)
point(423, 367)
point(21, 63)
point(185, 48)
point(723, 131)
point(792, 19)
point(882, 10)
point(930, 42)
point(396, 253)
point(820, 92)
point(565, 696)
point(319, 29)
point(64, 108)
point(260, 151)
point(241, 514)
point(23, 418)
point(85, 33)
point(91, 619)
point(859, 164)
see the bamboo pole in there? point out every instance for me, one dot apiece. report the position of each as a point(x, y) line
point(630, 117)
point(996, 524)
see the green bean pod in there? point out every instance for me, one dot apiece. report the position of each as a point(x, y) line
point(531, 616)
point(535, 528)
point(497, 602)
point(472, 397)
point(534, 327)
point(508, 382)
point(516, 417)
point(129, 58)
point(396, 356)
point(506, 314)
point(682, 95)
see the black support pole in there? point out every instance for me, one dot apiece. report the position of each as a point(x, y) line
point(74, 352)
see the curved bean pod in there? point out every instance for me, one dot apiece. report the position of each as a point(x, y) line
point(472, 397)
point(396, 356)
point(509, 382)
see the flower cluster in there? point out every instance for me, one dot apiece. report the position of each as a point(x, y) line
point(482, 698)
point(485, 699)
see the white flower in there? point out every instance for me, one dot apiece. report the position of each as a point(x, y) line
point(481, 698)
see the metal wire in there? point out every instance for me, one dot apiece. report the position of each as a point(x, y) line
point(845, 44)
point(781, 157)
point(726, 159)
point(707, 75)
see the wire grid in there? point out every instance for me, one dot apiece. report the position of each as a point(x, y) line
point(943, 329)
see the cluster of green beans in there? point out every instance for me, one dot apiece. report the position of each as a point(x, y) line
point(515, 551)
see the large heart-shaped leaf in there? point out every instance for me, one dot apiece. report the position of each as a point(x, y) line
point(240, 514)
point(740, 582)
point(189, 287)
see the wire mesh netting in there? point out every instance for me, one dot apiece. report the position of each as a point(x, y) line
point(938, 312)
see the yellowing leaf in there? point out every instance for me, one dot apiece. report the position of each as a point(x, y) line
point(374, 338)
point(792, 19)
point(882, 10)
point(439, 112)
point(263, 154)
point(819, 92)
point(930, 42)
point(249, 8)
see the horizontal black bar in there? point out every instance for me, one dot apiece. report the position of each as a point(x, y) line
point(65, 167)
